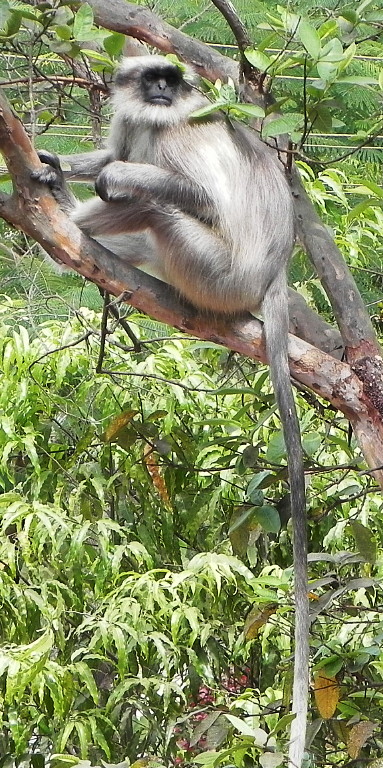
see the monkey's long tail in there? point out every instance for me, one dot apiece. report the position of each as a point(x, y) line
point(275, 312)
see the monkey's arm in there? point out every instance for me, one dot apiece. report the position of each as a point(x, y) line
point(119, 180)
point(86, 165)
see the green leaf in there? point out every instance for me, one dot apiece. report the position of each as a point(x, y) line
point(327, 70)
point(121, 647)
point(276, 449)
point(83, 22)
point(371, 186)
point(63, 32)
point(311, 442)
point(321, 118)
point(250, 110)
point(98, 57)
point(364, 540)
point(362, 206)
point(327, 29)
point(332, 51)
point(363, 5)
point(63, 46)
point(87, 678)
point(280, 125)
point(257, 480)
point(258, 59)
point(268, 518)
point(241, 519)
point(358, 80)
point(83, 737)
point(114, 44)
point(63, 739)
point(257, 498)
point(350, 15)
point(208, 759)
point(258, 734)
point(208, 110)
point(5, 13)
point(347, 57)
point(310, 39)
point(203, 726)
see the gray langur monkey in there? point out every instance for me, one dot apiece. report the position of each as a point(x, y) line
point(205, 206)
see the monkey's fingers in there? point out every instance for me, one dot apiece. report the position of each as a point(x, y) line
point(48, 176)
point(49, 158)
point(50, 173)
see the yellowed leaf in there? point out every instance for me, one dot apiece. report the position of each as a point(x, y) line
point(155, 474)
point(359, 734)
point(326, 691)
point(256, 619)
point(117, 425)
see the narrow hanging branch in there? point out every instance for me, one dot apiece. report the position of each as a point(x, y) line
point(247, 72)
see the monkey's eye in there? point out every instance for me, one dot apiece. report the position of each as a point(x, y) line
point(149, 77)
point(172, 79)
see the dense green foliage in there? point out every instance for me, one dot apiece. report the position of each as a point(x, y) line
point(123, 500)
point(146, 606)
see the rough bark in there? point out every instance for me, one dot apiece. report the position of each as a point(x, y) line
point(34, 210)
point(360, 343)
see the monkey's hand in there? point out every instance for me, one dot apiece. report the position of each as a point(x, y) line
point(51, 173)
point(113, 182)
point(123, 181)
point(153, 185)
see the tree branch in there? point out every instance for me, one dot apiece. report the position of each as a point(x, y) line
point(34, 210)
point(139, 22)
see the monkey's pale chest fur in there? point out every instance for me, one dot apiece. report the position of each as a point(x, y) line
point(143, 147)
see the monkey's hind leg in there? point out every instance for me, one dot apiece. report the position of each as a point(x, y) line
point(122, 228)
point(187, 253)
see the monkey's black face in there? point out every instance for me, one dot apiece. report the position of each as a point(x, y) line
point(161, 85)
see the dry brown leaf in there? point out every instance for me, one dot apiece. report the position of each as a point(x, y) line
point(155, 474)
point(326, 691)
point(358, 736)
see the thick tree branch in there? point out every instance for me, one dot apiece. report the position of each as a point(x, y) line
point(37, 214)
point(138, 21)
point(357, 331)
point(349, 309)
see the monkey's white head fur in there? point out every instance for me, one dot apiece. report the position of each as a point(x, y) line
point(128, 100)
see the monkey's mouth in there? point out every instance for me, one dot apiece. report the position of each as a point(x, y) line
point(161, 100)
